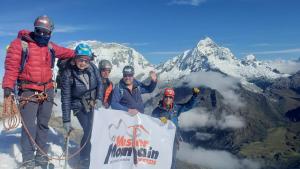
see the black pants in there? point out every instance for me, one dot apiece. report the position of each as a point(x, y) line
point(86, 122)
point(36, 117)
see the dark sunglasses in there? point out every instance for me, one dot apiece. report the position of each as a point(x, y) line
point(127, 75)
point(42, 32)
point(168, 97)
point(105, 70)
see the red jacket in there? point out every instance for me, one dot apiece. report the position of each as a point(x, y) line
point(38, 66)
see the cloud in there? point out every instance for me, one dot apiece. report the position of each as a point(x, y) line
point(187, 2)
point(285, 66)
point(165, 53)
point(226, 85)
point(68, 29)
point(199, 117)
point(214, 159)
point(135, 44)
point(7, 33)
point(269, 52)
point(11, 28)
point(203, 136)
point(261, 44)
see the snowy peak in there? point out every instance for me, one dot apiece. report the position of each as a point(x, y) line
point(250, 58)
point(208, 56)
point(207, 47)
point(207, 42)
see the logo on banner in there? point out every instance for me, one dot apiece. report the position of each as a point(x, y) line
point(130, 142)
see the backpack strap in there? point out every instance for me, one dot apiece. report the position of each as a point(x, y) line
point(121, 90)
point(25, 52)
point(24, 55)
point(52, 52)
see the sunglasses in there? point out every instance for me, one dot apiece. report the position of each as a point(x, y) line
point(83, 60)
point(105, 70)
point(42, 32)
point(168, 97)
point(127, 75)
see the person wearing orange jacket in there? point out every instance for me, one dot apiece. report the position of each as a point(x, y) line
point(105, 68)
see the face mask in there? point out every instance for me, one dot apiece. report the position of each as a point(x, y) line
point(41, 40)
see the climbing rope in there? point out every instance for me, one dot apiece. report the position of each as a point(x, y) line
point(12, 119)
point(10, 114)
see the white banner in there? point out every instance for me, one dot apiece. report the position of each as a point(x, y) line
point(120, 141)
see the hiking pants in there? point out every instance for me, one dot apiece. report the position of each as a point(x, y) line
point(36, 117)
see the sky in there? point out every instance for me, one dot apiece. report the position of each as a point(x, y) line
point(162, 29)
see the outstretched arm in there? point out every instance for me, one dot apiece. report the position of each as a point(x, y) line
point(187, 106)
point(62, 52)
point(149, 88)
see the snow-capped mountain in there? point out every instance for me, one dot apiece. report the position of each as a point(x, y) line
point(120, 56)
point(208, 56)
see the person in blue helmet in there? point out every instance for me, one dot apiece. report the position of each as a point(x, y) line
point(81, 92)
point(168, 110)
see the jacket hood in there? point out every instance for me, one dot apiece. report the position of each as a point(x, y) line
point(25, 35)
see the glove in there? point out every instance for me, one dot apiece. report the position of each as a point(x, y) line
point(163, 120)
point(196, 91)
point(68, 127)
point(106, 105)
point(98, 104)
point(7, 92)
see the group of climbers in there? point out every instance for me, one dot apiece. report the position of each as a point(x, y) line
point(84, 88)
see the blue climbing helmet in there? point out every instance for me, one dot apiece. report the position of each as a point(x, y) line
point(84, 50)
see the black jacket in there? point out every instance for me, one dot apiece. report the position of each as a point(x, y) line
point(73, 89)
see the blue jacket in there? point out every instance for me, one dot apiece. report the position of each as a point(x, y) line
point(73, 89)
point(123, 99)
point(173, 113)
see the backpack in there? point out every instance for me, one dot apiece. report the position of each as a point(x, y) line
point(62, 65)
point(25, 51)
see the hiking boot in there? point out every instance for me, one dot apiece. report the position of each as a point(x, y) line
point(84, 164)
point(43, 162)
point(28, 165)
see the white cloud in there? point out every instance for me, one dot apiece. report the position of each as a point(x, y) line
point(12, 28)
point(68, 29)
point(7, 33)
point(203, 136)
point(187, 2)
point(226, 85)
point(199, 117)
point(214, 159)
point(269, 52)
point(261, 44)
point(135, 44)
point(285, 66)
point(165, 53)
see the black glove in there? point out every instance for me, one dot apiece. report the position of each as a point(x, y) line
point(7, 92)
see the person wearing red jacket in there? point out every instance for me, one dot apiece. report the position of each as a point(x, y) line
point(28, 65)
